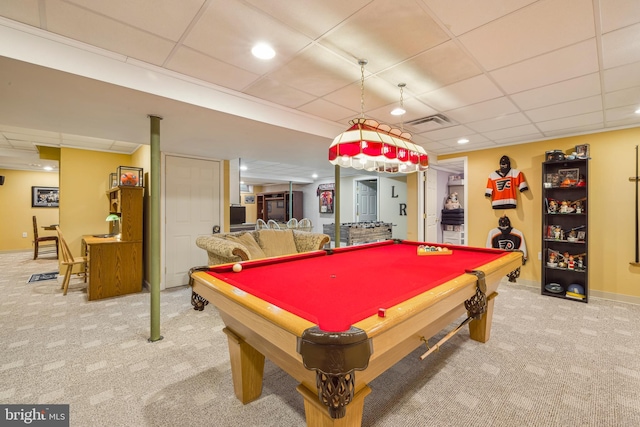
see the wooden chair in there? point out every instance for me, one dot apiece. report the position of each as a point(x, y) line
point(37, 240)
point(69, 262)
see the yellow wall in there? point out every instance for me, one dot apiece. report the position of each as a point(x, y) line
point(84, 181)
point(142, 159)
point(610, 206)
point(17, 213)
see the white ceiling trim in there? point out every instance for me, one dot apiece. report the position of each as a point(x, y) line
point(36, 46)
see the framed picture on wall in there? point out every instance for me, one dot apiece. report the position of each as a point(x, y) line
point(326, 201)
point(45, 197)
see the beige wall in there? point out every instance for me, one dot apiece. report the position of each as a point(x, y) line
point(610, 205)
point(16, 211)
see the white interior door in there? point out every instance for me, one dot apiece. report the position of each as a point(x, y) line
point(367, 200)
point(431, 206)
point(192, 208)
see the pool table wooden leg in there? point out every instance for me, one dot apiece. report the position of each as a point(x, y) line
point(247, 368)
point(480, 329)
point(318, 415)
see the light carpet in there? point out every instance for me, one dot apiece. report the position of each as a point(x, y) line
point(549, 362)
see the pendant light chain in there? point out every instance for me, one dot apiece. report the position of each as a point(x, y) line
point(362, 63)
point(401, 85)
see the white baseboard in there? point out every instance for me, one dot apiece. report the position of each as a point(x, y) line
point(592, 293)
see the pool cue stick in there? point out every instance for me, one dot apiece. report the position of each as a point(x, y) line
point(636, 178)
point(445, 338)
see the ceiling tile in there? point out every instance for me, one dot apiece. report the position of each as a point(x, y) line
point(615, 14)
point(622, 116)
point(563, 64)
point(586, 121)
point(439, 66)
point(310, 18)
point(98, 30)
point(278, 93)
point(585, 129)
point(32, 138)
point(166, 18)
point(435, 147)
point(377, 93)
point(525, 138)
point(556, 93)
point(22, 145)
point(190, 62)
point(404, 31)
point(228, 30)
point(483, 110)
point(513, 132)
point(454, 146)
point(460, 94)
point(500, 122)
point(623, 98)
point(476, 13)
point(327, 110)
point(317, 71)
point(622, 77)
point(621, 47)
point(542, 27)
point(448, 133)
point(415, 110)
point(13, 130)
point(26, 11)
point(566, 109)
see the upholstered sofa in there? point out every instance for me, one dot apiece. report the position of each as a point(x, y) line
point(247, 245)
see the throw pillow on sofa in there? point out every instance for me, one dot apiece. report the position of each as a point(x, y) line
point(247, 240)
point(277, 242)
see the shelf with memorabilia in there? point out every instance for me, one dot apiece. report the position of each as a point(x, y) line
point(565, 216)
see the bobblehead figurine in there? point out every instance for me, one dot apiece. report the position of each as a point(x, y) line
point(503, 185)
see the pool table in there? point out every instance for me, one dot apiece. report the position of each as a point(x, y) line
point(336, 319)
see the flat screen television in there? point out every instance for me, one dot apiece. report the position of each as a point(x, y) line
point(237, 215)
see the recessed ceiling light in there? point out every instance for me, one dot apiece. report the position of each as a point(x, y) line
point(314, 176)
point(243, 168)
point(263, 51)
point(48, 168)
point(638, 111)
point(463, 141)
point(398, 111)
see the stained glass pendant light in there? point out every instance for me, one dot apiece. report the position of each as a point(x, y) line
point(372, 146)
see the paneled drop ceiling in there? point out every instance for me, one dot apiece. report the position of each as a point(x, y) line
point(85, 74)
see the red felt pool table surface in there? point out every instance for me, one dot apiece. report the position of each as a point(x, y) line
point(337, 290)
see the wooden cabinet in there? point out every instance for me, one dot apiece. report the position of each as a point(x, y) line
point(115, 264)
point(114, 267)
point(275, 206)
point(565, 235)
point(127, 203)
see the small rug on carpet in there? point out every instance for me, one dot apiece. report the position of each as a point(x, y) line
point(42, 277)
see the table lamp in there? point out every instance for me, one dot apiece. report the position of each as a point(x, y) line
point(115, 228)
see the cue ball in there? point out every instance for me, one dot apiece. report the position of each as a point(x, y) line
point(237, 268)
